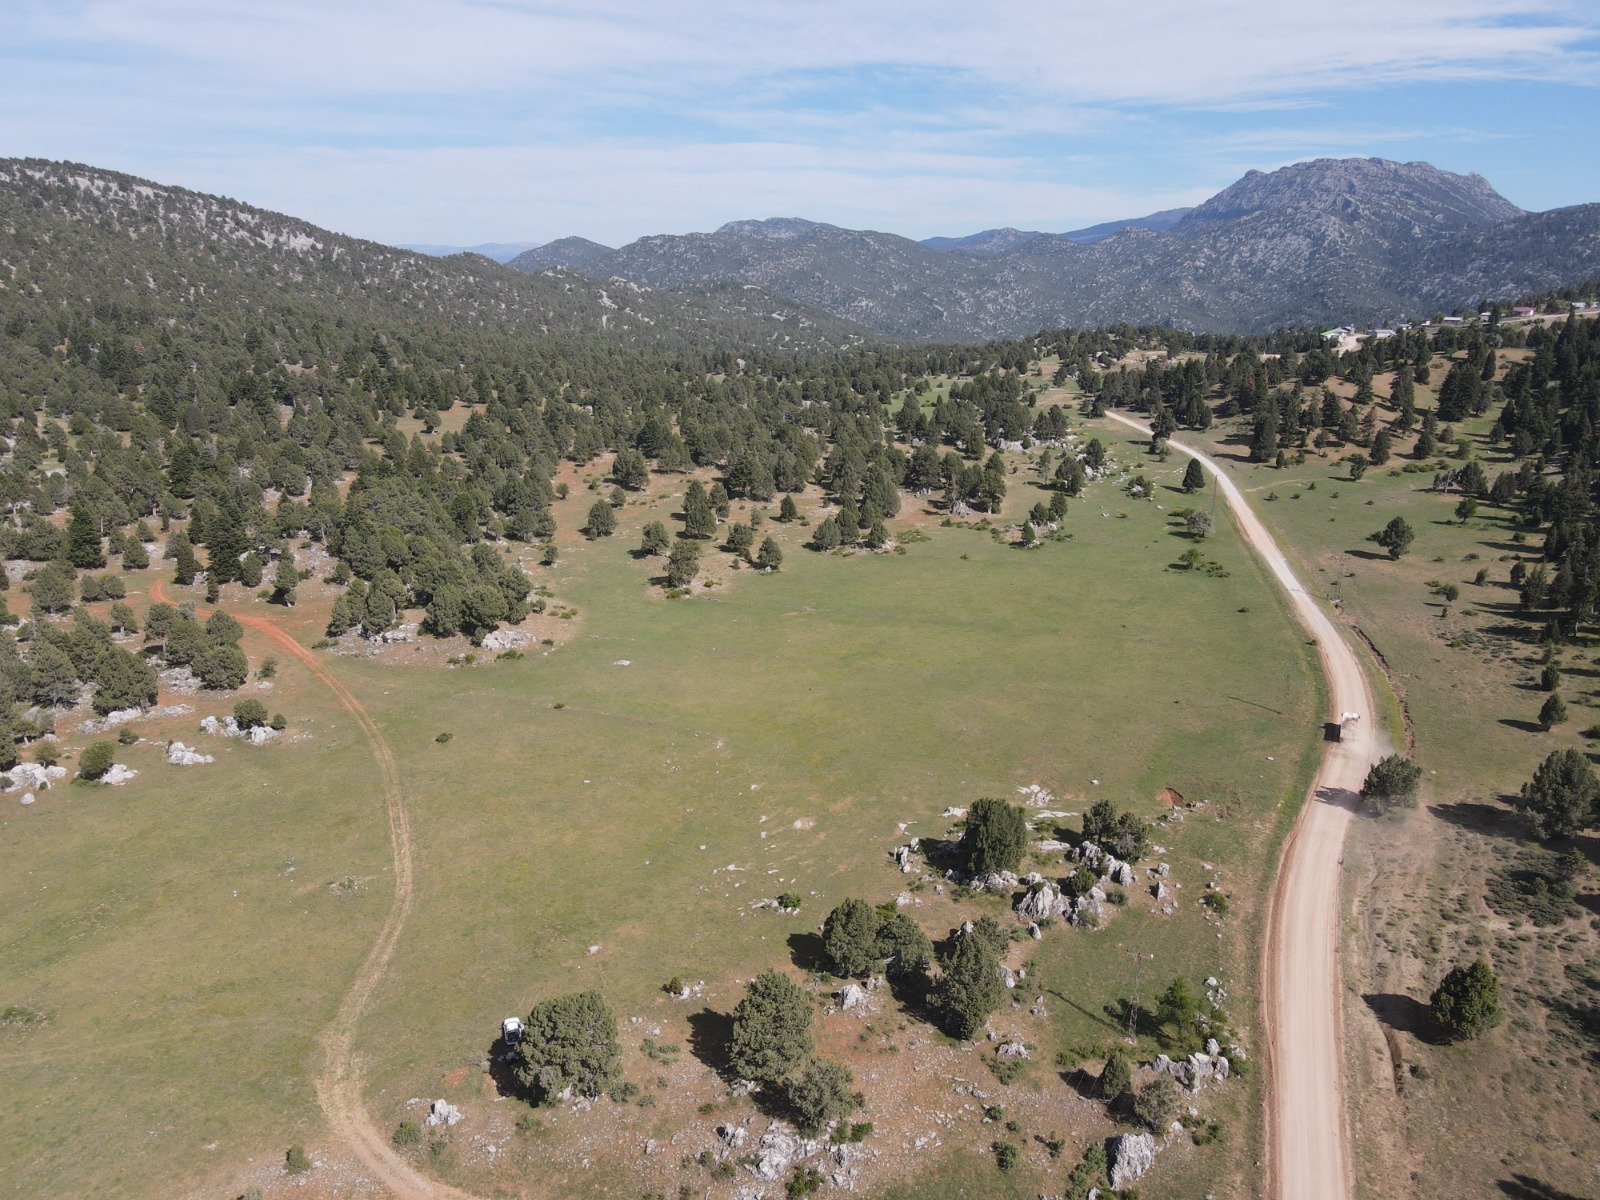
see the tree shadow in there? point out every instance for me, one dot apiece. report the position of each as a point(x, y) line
point(1402, 1014)
point(1524, 726)
point(1340, 798)
point(503, 1071)
point(806, 952)
point(1487, 819)
point(1525, 1187)
point(1370, 555)
point(710, 1036)
point(1085, 1083)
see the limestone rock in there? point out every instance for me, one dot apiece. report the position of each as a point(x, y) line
point(852, 996)
point(442, 1114)
point(31, 777)
point(1131, 1155)
point(180, 755)
point(117, 775)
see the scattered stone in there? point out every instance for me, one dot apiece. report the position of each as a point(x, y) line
point(27, 797)
point(995, 882)
point(180, 755)
point(180, 680)
point(954, 812)
point(1131, 1155)
point(1034, 796)
point(1012, 1050)
point(442, 1113)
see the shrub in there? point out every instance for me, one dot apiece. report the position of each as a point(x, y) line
point(279, 722)
point(824, 1092)
point(250, 713)
point(296, 1160)
point(443, 738)
point(1156, 1103)
point(1467, 1001)
point(126, 736)
point(407, 1133)
point(569, 1041)
point(995, 837)
point(1006, 1155)
point(1116, 1077)
point(1124, 834)
point(96, 760)
point(1391, 783)
point(789, 900)
point(771, 1029)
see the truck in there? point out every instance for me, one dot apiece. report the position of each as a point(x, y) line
point(1334, 731)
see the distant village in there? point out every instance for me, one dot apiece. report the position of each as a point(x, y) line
point(1489, 316)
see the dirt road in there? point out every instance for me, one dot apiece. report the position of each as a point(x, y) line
point(1307, 1140)
point(338, 1082)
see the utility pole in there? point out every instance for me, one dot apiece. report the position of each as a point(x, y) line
point(1133, 1012)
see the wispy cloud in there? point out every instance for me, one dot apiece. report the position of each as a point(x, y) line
point(625, 117)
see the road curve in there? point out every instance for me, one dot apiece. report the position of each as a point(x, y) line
point(1307, 1138)
point(338, 1081)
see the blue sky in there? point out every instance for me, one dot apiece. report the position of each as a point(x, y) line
point(465, 121)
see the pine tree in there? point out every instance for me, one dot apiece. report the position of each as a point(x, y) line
point(1194, 476)
point(770, 556)
point(181, 552)
point(285, 578)
point(84, 549)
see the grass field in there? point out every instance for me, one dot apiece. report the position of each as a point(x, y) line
point(1515, 1110)
point(578, 829)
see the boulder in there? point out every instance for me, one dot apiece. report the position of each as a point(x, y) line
point(441, 1113)
point(733, 1136)
point(852, 996)
point(1012, 1050)
point(111, 720)
point(261, 734)
point(27, 797)
point(32, 777)
point(1035, 932)
point(180, 755)
point(504, 639)
point(779, 1150)
point(995, 882)
point(1039, 903)
point(117, 775)
point(1130, 1156)
point(1122, 874)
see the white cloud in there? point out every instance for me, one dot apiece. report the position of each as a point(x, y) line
point(1146, 51)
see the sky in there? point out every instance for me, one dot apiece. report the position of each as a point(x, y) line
point(468, 121)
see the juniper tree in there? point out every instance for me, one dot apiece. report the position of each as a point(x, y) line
point(771, 1029)
point(994, 838)
point(569, 1042)
point(969, 988)
point(1466, 1004)
point(1194, 476)
point(770, 556)
point(654, 539)
point(849, 937)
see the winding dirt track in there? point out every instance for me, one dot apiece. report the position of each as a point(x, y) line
point(338, 1082)
point(1307, 1140)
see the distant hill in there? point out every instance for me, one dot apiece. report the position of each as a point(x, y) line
point(1320, 242)
point(500, 252)
point(68, 230)
point(998, 241)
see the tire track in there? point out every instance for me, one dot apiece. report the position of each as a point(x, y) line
point(338, 1082)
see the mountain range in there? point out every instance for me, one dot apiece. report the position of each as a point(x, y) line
point(70, 232)
point(500, 252)
point(1320, 242)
